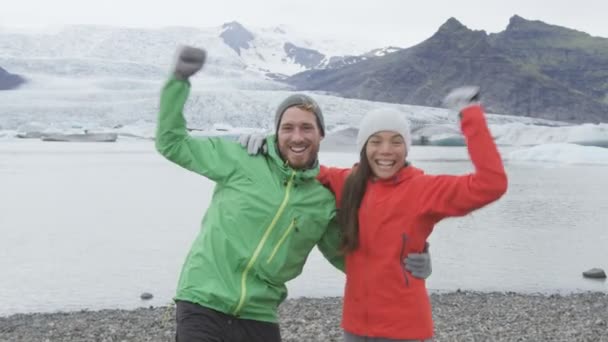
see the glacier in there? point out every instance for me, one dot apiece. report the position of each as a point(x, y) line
point(108, 80)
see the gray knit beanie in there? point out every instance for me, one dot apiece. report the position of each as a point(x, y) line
point(384, 119)
point(297, 100)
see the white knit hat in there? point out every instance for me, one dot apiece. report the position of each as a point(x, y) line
point(384, 119)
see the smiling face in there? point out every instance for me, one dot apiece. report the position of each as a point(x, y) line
point(299, 137)
point(385, 152)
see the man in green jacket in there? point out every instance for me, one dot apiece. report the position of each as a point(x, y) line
point(266, 214)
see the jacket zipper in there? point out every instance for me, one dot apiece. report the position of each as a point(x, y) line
point(401, 257)
point(258, 249)
point(283, 237)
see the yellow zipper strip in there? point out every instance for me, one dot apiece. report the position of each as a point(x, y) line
point(276, 248)
point(258, 249)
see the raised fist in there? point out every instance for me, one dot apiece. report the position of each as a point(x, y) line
point(189, 61)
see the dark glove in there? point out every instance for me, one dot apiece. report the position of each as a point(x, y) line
point(419, 264)
point(189, 61)
point(255, 143)
point(461, 98)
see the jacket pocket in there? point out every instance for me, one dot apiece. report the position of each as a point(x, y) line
point(289, 250)
point(402, 256)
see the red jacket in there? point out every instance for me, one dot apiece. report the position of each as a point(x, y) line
point(395, 219)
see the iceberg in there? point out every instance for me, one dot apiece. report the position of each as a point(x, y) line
point(520, 134)
point(83, 137)
point(438, 135)
point(30, 135)
point(561, 153)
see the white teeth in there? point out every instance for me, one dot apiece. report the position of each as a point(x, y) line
point(385, 162)
point(298, 149)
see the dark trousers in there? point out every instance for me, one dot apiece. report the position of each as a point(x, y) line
point(197, 323)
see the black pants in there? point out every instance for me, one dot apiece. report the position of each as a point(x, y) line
point(196, 323)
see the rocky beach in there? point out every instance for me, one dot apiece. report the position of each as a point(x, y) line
point(459, 316)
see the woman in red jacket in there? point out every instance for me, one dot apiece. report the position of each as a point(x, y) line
point(388, 209)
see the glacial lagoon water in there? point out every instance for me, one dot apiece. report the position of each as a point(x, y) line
point(92, 226)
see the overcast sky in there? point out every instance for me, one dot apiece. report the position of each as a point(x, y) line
point(389, 22)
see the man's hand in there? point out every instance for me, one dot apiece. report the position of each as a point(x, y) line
point(419, 264)
point(460, 98)
point(254, 143)
point(189, 61)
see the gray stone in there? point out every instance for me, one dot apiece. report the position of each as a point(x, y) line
point(595, 273)
point(146, 296)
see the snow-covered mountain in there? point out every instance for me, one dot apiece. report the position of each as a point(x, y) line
point(234, 51)
point(99, 76)
point(336, 62)
point(108, 79)
point(281, 52)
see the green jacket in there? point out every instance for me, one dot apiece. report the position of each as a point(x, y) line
point(263, 220)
